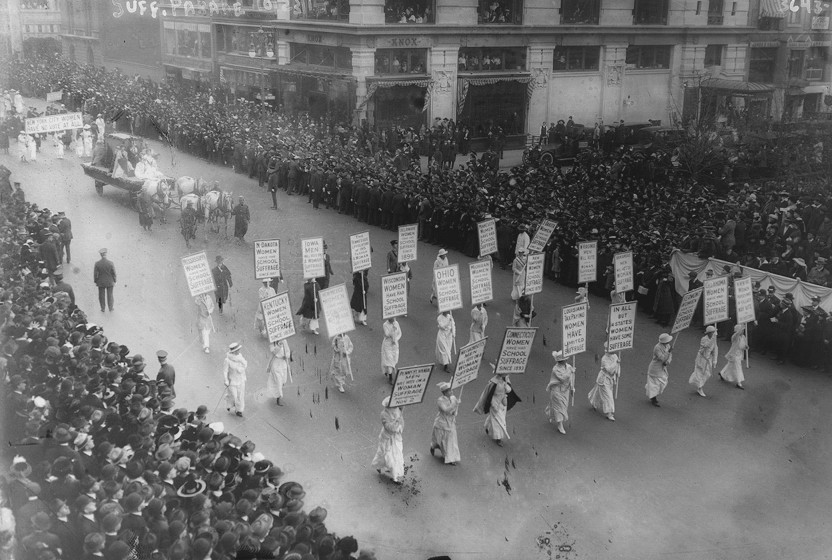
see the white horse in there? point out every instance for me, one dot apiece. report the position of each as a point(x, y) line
point(189, 185)
point(217, 205)
point(157, 191)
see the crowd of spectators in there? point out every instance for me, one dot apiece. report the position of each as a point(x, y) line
point(105, 465)
point(412, 11)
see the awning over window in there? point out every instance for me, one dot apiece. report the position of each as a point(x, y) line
point(773, 8)
point(736, 86)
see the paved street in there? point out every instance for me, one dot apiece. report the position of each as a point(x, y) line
point(739, 475)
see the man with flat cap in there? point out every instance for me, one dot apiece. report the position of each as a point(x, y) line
point(167, 373)
point(104, 276)
point(62, 286)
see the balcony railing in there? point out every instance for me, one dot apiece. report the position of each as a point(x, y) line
point(814, 74)
point(715, 19)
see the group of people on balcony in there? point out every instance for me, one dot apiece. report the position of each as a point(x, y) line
point(408, 12)
point(496, 12)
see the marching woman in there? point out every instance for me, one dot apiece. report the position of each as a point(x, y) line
point(479, 320)
point(204, 322)
point(705, 360)
point(310, 307)
point(602, 395)
point(390, 348)
point(358, 301)
point(445, 336)
point(518, 275)
point(23, 146)
point(265, 292)
point(340, 367)
point(279, 370)
point(657, 370)
point(389, 459)
point(86, 141)
point(560, 388)
point(58, 143)
point(444, 425)
point(496, 399)
point(732, 372)
point(32, 145)
point(441, 261)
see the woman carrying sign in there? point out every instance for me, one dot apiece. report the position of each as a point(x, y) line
point(705, 360)
point(279, 370)
point(358, 301)
point(479, 320)
point(390, 348)
point(560, 388)
point(340, 367)
point(732, 372)
point(445, 337)
point(310, 307)
point(657, 370)
point(389, 459)
point(265, 292)
point(496, 399)
point(602, 395)
point(204, 322)
point(444, 425)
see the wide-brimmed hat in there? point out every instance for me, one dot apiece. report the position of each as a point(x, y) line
point(442, 252)
point(739, 327)
point(234, 347)
point(386, 402)
point(191, 488)
point(62, 435)
point(20, 468)
point(664, 338)
point(710, 329)
point(444, 386)
point(558, 356)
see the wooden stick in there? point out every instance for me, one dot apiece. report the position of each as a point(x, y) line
point(747, 346)
point(573, 381)
point(619, 375)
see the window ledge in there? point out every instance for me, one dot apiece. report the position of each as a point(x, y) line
point(647, 70)
point(578, 72)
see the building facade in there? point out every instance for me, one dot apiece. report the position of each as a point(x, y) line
point(40, 18)
point(81, 23)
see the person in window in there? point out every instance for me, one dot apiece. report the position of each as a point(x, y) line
point(496, 63)
point(397, 66)
point(462, 62)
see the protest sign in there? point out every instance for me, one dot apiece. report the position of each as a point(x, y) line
point(686, 310)
point(468, 363)
point(198, 274)
point(542, 235)
point(515, 351)
point(360, 252)
point(336, 308)
point(408, 242)
point(622, 326)
point(277, 313)
point(715, 308)
point(574, 328)
point(534, 274)
point(312, 253)
point(448, 288)
point(266, 258)
point(587, 261)
point(53, 123)
point(410, 386)
point(394, 295)
point(744, 300)
point(624, 272)
point(487, 231)
point(481, 291)
point(53, 96)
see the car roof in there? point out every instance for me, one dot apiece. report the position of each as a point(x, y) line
point(660, 128)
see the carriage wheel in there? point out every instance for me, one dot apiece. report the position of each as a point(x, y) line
point(525, 157)
point(547, 158)
point(99, 188)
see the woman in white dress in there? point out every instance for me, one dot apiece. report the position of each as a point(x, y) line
point(32, 146)
point(657, 370)
point(58, 143)
point(340, 366)
point(441, 261)
point(445, 336)
point(86, 139)
point(493, 402)
point(265, 292)
point(479, 320)
point(279, 370)
point(390, 348)
point(602, 394)
point(389, 459)
point(204, 322)
point(560, 388)
point(23, 146)
point(444, 425)
point(705, 362)
point(732, 372)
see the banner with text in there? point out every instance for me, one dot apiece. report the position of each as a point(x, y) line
point(468, 363)
point(587, 261)
point(534, 274)
point(198, 274)
point(277, 312)
point(488, 237)
point(573, 319)
point(448, 287)
point(53, 96)
point(336, 309)
point(622, 326)
point(411, 384)
point(624, 272)
point(542, 235)
point(53, 123)
point(394, 295)
point(481, 290)
point(744, 300)
point(312, 253)
point(686, 310)
point(408, 242)
point(715, 308)
point(516, 349)
point(360, 252)
point(266, 258)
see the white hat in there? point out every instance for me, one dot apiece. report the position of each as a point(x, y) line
point(664, 338)
point(710, 329)
point(234, 347)
point(443, 386)
point(385, 402)
point(558, 356)
point(442, 252)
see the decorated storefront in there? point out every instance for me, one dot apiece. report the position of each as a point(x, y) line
point(396, 102)
point(494, 101)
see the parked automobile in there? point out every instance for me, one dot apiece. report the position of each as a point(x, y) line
point(652, 138)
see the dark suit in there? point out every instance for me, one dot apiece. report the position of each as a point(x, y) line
point(222, 280)
point(65, 228)
point(104, 276)
point(168, 375)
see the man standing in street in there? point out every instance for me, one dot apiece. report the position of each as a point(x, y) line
point(222, 281)
point(234, 374)
point(242, 217)
point(166, 372)
point(393, 257)
point(65, 229)
point(104, 276)
point(273, 185)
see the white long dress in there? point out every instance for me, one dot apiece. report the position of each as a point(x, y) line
point(560, 387)
point(265, 292)
point(657, 370)
point(445, 338)
point(340, 366)
point(479, 320)
point(390, 346)
point(706, 358)
point(733, 369)
point(86, 137)
point(518, 279)
point(389, 459)
point(32, 145)
point(440, 262)
point(444, 435)
point(495, 419)
point(602, 394)
point(279, 370)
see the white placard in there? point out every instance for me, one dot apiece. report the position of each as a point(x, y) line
point(715, 308)
point(481, 289)
point(360, 252)
point(198, 274)
point(574, 328)
point(411, 385)
point(542, 235)
point(587, 262)
point(266, 258)
point(686, 310)
point(408, 242)
point(336, 310)
point(277, 313)
point(468, 363)
point(487, 231)
point(53, 123)
point(534, 274)
point(624, 272)
point(448, 287)
point(53, 96)
point(622, 326)
point(516, 349)
point(744, 300)
point(394, 295)
point(312, 253)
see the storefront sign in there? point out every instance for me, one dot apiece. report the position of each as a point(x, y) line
point(448, 288)
point(587, 261)
point(53, 123)
point(403, 42)
point(487, 231)
point(277, 313)
point(198, 274)
point(481, 291)
point(744, 300)
point(516, 349)
point(542, 235)
point(336, 309)
point(468, 363)
point(624, 275)
point(360, 251)
point(686, 310)
point(716, 300)
point(534, 274)
point(408, 242)
point(312, 252)
point(411, 384)
point(394, 295)
point(573, 319)
point(267, 258)
point(622, 326)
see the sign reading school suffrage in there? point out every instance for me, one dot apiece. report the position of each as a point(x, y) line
point(448, 288)
point(622, 326)
point(542, 235)
point(394, 295)
point(337, 312)
point(515, 351)
point(266, 258)
point(686, 310)
point(277, 313)
point(408, 242)
point(198, 274)
point(715, 308)
point(53, 123)
point(574, 328)
point(312, 252)
point(534, 274)
point(411, 384)
point(468, 363)
point(624, 274)
point(481, 291)
point(488, 237)
point(744, 300)
point(360, 252)
point(587, 261)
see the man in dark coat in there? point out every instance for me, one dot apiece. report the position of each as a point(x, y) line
point(49, 254)
point(374, 209)
point(222, 281)
point(785, 325)
point(345, 195)
point(167, 373)
point(273, 186)
point(61, 286)
point(242, 217)
point(387, 209)
point(104, 276)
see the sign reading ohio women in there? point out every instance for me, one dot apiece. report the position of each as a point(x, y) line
point(188, 8)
